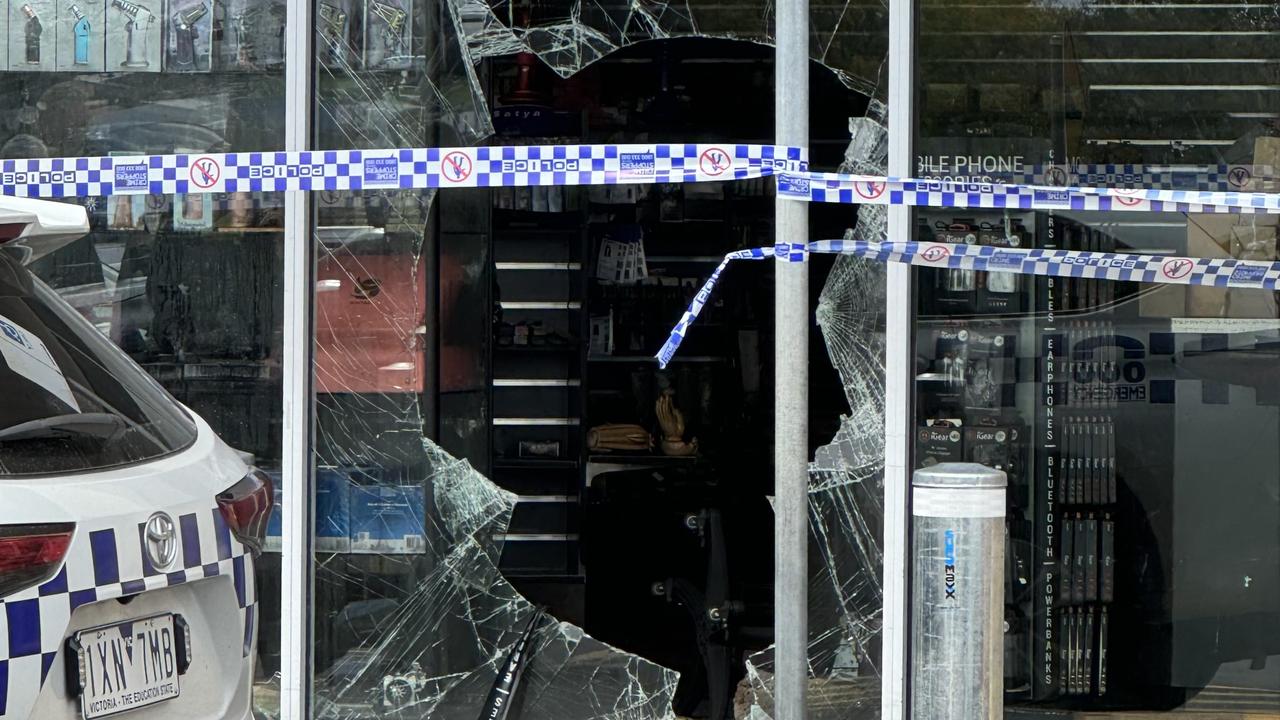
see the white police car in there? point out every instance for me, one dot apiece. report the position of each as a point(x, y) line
point(127, 528)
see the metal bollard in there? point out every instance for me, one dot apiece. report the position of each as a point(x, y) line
point(957, 620)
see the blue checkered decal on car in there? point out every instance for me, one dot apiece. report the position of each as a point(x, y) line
point(113, 563)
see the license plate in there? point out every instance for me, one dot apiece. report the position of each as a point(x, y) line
point(128, 666)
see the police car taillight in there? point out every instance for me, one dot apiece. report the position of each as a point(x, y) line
point(246, 506)
point(9, 231)
point(31, 554)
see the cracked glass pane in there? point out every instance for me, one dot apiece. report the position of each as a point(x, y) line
point(413, 617)
point(848, 35)
point(846, 479)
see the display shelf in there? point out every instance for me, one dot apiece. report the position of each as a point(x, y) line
point(645, 459)
point(503, 463)
point(543, 347)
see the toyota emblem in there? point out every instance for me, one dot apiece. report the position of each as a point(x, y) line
point(162, 541)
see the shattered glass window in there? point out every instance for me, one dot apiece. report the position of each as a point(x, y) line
point(413, 616)
point(846, 477)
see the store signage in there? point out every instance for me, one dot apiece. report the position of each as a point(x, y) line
point(968, 168)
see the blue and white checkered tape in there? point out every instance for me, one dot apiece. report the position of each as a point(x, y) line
point(1165, 269)
point(1221, 178)
point(106, 563)
point(875, 190)
point(1224, 188)
point(401, 168)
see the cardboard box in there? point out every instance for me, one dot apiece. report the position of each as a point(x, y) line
point(32, 34)
point(1243, 237)
point(1208, 236)
point(82, 36)
point(189, 36)
point(388, 34)
point(135, 35)
point(388, 518)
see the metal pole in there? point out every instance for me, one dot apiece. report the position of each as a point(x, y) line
point(899, 372)
point(791, 381)
point(296, 608)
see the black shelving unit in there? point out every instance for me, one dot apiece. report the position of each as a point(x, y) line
point(536, 371)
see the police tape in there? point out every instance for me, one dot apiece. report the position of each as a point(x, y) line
point(993, 169)
point(1164, 269)
point(875, 190)
point(1222, 188)
point(394, 169)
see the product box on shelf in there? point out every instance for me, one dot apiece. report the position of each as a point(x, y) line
point(332, 510)
point(388, 518)
point(135, 35)
point(248, 34)
point(275, 523)
point(941, 442)
point(957, 288)
point(942, 384)
point(1002, 292)
point(33, 32)
point(990, 372)
point(192, 212)
point(189, 36)
point(388, 34)
point(82, 36)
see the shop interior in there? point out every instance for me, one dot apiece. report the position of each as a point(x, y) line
point(1139, 575)
point(643, 514)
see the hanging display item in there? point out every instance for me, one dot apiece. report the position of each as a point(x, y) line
point(133, 37)
point(190, 33)
point(32, 30)
point(81, 37)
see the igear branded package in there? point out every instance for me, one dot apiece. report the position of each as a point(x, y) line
point(33, 32)
point(938, 444)
point(135, 35)
point(82, 36)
